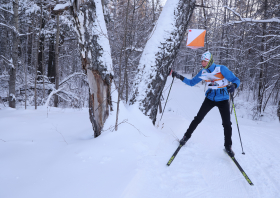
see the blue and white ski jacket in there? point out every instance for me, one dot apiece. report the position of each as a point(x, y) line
point(215, 94)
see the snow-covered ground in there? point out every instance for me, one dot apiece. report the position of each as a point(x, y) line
point(54, 155)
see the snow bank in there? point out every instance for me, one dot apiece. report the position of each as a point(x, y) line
point(53, 153)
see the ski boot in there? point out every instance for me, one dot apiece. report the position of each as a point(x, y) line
point(229, 151)
point(183, 140)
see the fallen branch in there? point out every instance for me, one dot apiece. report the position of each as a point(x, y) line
point(112, 128)
point(60, 134)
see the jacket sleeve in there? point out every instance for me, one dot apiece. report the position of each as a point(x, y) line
point(193, 81)
point(229, 75)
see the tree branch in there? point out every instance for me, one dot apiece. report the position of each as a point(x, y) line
point(10, 27)
point(202, 6)
point(9, 62)
point(71, 76)
point(245, 20)
point(6, 10)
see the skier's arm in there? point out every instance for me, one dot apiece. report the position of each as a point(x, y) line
point(193, 81)
point(230, 76)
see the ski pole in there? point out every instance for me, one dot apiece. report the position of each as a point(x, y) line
point(231, 95)
point(167, 98)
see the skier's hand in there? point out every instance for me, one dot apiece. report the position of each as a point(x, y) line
point(175, 74)
point(231, 88)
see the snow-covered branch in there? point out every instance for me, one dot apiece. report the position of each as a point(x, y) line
point(61, 89)
point(65, 56)
point(54, 91)
point(271, 35)
point(27, 34)
point(4, 76)
point(236, 13)
point(6, 10)
point(70, 76)
point(69, 94)
point(272, 50)
point(268, 59)
point(244, 20)
point(10, 27)
point(9, 62)
point(60, 7)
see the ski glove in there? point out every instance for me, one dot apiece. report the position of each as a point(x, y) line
point(231, 88)
point(175, 74)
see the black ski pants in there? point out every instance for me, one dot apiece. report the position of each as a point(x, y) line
point(206, 106)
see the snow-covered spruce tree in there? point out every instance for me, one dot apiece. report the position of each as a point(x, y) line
point(96, 59)
point(159, 53)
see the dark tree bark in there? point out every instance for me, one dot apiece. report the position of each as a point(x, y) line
point(56, 59)
point(153, 72)
point(51, 65)
point(278, 110)
point(13, 71)
point(262, 68)
point(41, 50)
point(120, 88)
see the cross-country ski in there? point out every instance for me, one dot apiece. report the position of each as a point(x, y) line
point(240, 168)
point(174, 155)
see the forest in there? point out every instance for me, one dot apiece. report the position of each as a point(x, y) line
point(77, 53)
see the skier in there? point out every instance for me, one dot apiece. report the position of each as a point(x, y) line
point(215, 96)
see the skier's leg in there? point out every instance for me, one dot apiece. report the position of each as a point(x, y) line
point(225, 114)
point(206, 106)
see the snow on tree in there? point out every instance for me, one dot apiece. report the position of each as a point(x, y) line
point(96, 58)
point(158, 55)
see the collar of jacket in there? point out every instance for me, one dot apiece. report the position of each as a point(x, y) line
point(211, 68)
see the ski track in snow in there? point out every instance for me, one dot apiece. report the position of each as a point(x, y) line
point(268, 170)
point(205, 171)
point(56, 156)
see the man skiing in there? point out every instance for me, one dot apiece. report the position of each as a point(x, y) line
point(216, 95)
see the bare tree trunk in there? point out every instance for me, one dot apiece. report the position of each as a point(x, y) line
point(36, 73)
point(56, 60)
point(126, 83)
point(205, 26)
point(25, 70)
point(51, 61)
point(223, 28)
point(43, 68)
point(13, 71)
point(153, 4)
point(261, 75)
point(153, 72)
point(120, 88)
point(37, 57)
point(278, 110)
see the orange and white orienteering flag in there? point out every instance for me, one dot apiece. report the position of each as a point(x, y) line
point(196, 38)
